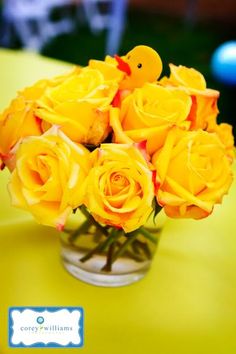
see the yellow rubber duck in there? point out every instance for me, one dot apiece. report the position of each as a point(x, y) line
point(141, 64)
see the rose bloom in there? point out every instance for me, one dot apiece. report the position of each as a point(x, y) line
point(108, 68)
point(225, 134)
point(80, 106)
point(194, 173)
point(119, 189)
point(19, 120)
point(204, 108)
point(149, 113)
point(48, 177)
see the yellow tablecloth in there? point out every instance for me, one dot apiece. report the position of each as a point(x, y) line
point(187, 302)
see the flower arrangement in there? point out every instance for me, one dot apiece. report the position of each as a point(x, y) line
point(118, 143)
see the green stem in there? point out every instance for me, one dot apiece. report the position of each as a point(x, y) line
point(107, 267)
point(115, 234)
point(82, 229)
point(88, 216)
point(133, 253)
point(130, 238)
point(139, 245)
point(147, 234)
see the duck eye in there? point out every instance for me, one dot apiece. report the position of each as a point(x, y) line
point(128, 57)
point(139, 65)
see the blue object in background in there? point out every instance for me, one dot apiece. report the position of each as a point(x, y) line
point(223, 63)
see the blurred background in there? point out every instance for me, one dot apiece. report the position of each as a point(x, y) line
point(186, 32)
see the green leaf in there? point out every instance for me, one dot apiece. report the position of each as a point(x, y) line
point(156, 209)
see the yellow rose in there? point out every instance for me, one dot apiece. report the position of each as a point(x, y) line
point(194, 173)
point(80, 106)
point(108, 68)
point(49, 176)
point(204, 109)
point(19, 120)
point(149, 113)
point(119, 187)
point(225, 133)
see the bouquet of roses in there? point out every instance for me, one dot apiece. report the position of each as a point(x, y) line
point(113, 140)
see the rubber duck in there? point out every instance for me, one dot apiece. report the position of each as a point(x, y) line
point(141, 64)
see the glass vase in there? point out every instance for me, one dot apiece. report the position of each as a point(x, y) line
point(106, 256)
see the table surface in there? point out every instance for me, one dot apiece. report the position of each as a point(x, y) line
point(186, 303)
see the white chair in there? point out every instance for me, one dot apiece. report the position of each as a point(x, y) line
point(30, 19)
point(113, 20)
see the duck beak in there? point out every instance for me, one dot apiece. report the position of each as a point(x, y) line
point(122, 65)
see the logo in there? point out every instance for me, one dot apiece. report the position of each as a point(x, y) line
point(46, 327)
point(40, 320)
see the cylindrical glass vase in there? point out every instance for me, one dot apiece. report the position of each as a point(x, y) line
point(106, 256)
